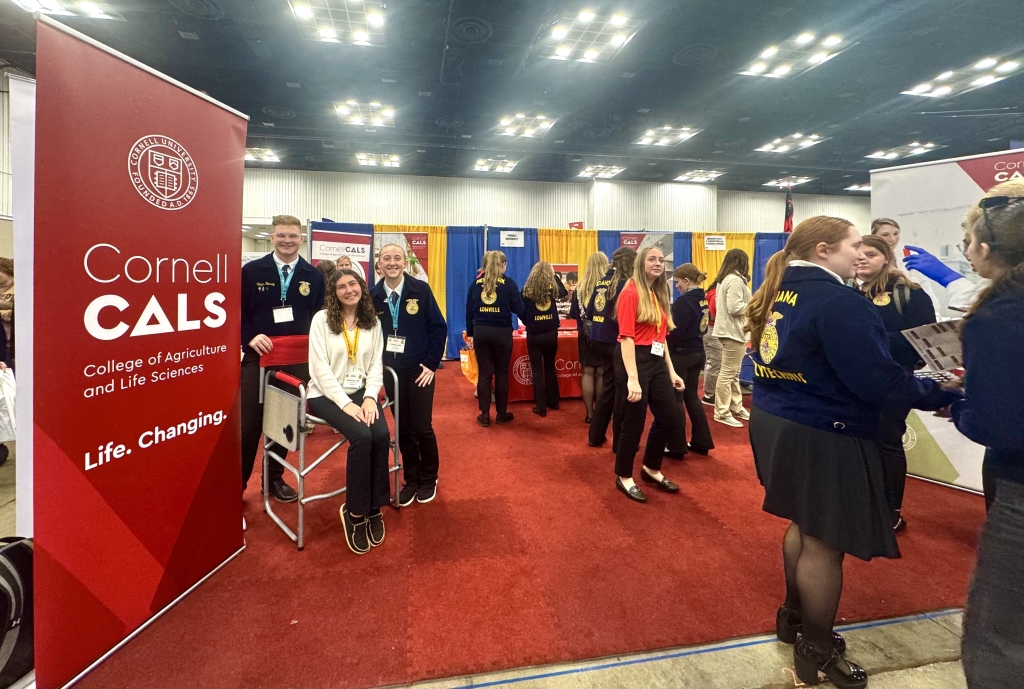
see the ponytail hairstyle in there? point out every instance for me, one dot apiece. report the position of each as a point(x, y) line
point(735, 261)
point(880, 283)
point(690, 272)
point(494, 268)
point(623, 262)
point(647, 310)
point(801, 246)
point(540, 286)
point(1002, 228)
point(597, 266)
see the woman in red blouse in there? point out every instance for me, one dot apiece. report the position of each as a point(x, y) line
point(646, 373)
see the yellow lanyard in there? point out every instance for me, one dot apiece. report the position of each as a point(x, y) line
point(351, 345)
point(657, 308)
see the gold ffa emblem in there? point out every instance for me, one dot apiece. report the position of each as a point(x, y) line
point(600, 301)
point(412, 307)
point(882, 299)
point(543, 305)
point(770, 338)
point(705, 321)
point(304, 289)
point(488, 297)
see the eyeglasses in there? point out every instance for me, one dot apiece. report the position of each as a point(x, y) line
point(995, 202)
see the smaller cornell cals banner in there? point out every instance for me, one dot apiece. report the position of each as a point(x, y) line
point(137, 485)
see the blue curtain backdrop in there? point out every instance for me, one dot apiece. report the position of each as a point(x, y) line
point(607, 242)
point(465, 249)
point(520, 259)
point(682, 252)
point(765, 245)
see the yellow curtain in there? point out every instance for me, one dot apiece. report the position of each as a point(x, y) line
point(437, 255)
point(711, 261)
point(567, 246)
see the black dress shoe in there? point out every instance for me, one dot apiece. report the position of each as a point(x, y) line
point(587, 420)
point(540, 412)
point(553, 406)
point(698, 450)
point(788, 624)
point(503, 418)
point(664, 484)
point(484, 420)
point(809, 661)
point(633, 493)
point(899, 523)
point(591, 443)
point(674, 455)
point(282, 492)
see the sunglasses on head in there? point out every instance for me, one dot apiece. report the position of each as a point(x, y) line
point(993, 202)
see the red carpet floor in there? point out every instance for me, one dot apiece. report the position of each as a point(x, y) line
point(528, 556)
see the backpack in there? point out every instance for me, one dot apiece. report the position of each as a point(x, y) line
point(17, 655)
point(900, 296)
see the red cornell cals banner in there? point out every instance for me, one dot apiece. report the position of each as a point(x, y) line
point(137, 485)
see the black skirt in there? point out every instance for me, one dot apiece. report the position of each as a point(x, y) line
point(588, 357)
point(831, 485)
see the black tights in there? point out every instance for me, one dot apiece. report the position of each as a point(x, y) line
point(814, 583)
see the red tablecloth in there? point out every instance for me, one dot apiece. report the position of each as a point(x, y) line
point(520, 380)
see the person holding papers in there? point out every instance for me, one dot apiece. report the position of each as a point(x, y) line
point(903, 305)
point(346, 373)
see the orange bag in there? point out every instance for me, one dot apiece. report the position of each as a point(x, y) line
point(467, 357)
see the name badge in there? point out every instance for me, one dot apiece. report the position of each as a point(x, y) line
point(283, 314)
point(658, 348)
point(395, 344)
point(353, 379)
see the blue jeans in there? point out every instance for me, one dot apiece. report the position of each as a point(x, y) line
point(993, 643)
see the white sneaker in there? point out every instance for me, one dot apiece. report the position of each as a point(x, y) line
point(742, 414)
point(728, 421)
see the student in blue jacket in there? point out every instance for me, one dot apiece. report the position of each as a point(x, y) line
point(903, 305)
point(691, 314)
point(414, 335)
point(992, 414)
point(493, 298)
point(822, 372)
point(540, 295)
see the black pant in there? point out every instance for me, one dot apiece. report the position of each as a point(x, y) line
point(543, 349)
point(609, 402)
point(493, 352)
point(656, 391)
point(415, 426)
point(252, 415)
point(366, 474)
point(894, 458)
point(688, 367)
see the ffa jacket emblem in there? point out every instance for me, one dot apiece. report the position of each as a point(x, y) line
point(544, 306)
point(600, 301)
point(412, 307)
point(304, 289)
point(770, 338)
point(488, 297)
point(705, 321)
point(882, 299)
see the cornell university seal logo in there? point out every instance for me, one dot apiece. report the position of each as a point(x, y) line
point(163, 172)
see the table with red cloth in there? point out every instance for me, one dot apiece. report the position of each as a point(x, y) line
point(567, 366)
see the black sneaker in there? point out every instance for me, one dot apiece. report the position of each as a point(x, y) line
point(375, 529)
point(282, 492)
point(355, 534)
point(407, 495)
point(503, 418)
point(708, 400)
point(484, 420)
point(426, 493)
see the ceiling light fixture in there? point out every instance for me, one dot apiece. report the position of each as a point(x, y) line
point(1008, 66)
point(589, 38)
point(966, 78)
point(90, 8)
point(944, 76)
point(785, 143)
point(668, 135)
point(86, 10)
point(795, 56)
point(770, 52)
point(788, 181)
point(986, 63)
point(832, 41)
point(758, 68)
point(699, 176)
point(912, 149)
point(601, 171)
point(942, 91)
point(379, 159)
point(804, 38)
point(781, 71)
point(984, 81)
point(859, 187)
point(340, 21)
point(354, 112)
point(523, 125)
point(817, 58)
point(261, 155)
point(495, 165)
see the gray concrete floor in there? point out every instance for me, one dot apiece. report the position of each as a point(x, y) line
point(7, 494)
point(920, 651)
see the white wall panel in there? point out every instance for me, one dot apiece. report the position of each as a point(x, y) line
point(652, 206)
point(6, 195)
point(744, 211)
point(394, 199)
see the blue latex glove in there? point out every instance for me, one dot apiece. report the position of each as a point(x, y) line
point(929, 266)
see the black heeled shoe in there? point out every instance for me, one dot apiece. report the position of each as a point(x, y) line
point(808, 662)
point(540, 412)
point(788, 624)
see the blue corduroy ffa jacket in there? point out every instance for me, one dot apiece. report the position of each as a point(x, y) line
point(420, 322)
point(824, 359)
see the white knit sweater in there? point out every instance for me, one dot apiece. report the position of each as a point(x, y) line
point(731, 301)
point(329, 362)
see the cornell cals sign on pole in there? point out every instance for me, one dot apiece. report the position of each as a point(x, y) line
point(135, 359)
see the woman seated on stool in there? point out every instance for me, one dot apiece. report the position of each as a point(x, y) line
point(346, 374)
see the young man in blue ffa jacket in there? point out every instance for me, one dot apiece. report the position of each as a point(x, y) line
point(280, 294)
point(414, 336)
